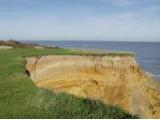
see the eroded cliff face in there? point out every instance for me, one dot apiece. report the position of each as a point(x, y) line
point(112, 80)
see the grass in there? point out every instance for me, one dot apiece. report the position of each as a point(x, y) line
point(20, 98)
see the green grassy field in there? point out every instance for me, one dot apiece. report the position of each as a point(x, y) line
point(20, 98)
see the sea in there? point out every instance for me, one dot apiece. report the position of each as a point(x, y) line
point(147, 53)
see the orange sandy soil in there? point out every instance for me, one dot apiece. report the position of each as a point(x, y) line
point(113, 80)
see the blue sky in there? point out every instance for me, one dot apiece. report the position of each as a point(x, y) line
point(120, 20)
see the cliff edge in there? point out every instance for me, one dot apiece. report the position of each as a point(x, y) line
point(114, 80)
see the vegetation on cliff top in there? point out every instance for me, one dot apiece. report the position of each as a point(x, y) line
point(20, 98)
point(16, 44)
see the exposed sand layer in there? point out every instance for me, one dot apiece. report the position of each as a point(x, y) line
point(113, 80)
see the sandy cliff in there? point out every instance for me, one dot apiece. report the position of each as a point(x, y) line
point(113, 80)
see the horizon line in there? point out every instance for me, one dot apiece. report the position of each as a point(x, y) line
point(89, 40)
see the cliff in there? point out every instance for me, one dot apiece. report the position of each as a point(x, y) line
point(16, 44)
point(113, 80)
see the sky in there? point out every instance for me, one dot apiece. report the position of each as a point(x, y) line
point(119, 20)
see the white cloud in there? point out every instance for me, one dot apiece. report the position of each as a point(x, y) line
point(121, 2)
point(120, 25)
point(33, 1)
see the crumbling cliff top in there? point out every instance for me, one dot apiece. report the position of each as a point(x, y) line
point(115, 80)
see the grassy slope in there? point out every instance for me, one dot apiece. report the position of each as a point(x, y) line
point(20, 98)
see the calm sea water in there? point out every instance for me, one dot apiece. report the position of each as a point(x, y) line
point(147, 53)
